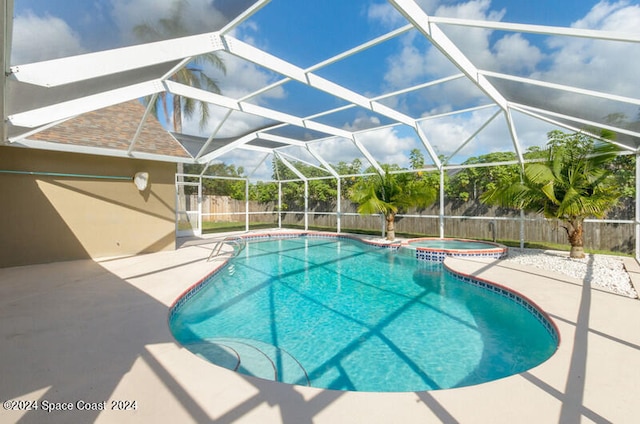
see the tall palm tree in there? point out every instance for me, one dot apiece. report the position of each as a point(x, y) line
point(388, 193)
point(572, 183)
point(193, 74)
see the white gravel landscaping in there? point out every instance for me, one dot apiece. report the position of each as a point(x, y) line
point(600, 270)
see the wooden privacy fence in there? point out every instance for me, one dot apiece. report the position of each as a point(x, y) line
point(462, 219)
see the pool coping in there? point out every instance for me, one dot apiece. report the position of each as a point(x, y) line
point(591, 377)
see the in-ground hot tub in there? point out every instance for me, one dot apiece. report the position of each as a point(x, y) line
point(437, 249)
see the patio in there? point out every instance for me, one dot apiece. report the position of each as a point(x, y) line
point(96, 331)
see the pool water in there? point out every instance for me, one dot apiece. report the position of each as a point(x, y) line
point(340, 314)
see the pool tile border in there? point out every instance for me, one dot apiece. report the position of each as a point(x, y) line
point(513, 296)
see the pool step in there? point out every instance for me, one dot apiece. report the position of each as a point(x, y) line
point(252, 357)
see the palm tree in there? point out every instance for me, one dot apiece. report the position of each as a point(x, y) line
point(390, 193)
point(573, 182)
point(193, 74)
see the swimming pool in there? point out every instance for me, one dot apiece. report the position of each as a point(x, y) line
point(340, 314)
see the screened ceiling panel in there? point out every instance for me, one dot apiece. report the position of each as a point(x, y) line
point(530, 129)
point(266, 144)
point(365, 81)
point(26, 96)
point(292, 30)
point(297, 133)
point(242, 79)
point(493, 136)
point(395, 146)
point(453, 134)
point(451, 95)
point(372, 80)
point(300, 153)
point(279, 98)
point(628, 141)
point(581, 107)
point(339, 152)
point(52, 29)
point(355, 119)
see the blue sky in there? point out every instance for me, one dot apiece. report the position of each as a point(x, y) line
point(307, 32)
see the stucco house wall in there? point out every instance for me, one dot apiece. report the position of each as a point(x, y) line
point(58, 218)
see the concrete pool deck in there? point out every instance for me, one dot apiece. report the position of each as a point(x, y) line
point(96, 332)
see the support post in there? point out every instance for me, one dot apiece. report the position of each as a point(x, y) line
point(339, 206)
point(637, 223)
point(442, 171)
point(306, 205)
point(246, 205)
point(522, 228)
point(279, 205)
point(199, 233)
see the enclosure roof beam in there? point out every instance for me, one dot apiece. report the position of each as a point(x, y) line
point(257, 56)
point(458, 112)
point(514, 135)
point(104, 151)
point(242, 17)
point(225, 149)
point(67, 70)
point(540, 29)
point(414, 14)
point(147, 111)
point(255, 148)
point(321, 159)
point(538, 112)
point(472, 136)
point(290, 166)
point(264, 158)
point(427, 145)
point(223, 101)
point(280, 139)
point(418, 87)
point(534, 113)
point(63, 110)
point(562, 87)
point(207, 143)
point(336, 58)
point(367, 155)
point(280, 152)
point(6, 24)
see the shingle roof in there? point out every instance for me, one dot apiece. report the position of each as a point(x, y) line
point(114, 127)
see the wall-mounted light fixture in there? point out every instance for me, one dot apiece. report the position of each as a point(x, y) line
point(141, 180)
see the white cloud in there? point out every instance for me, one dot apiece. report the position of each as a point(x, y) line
point(387, 146)
point(447, 134)
point(610, 17)
point(37, 38)
point(337, 150)
point(598, 65)
point(408, 66)
point(384, 14)
point(199, 16)
point(243, 78)
point(516, 54)
point(474, 42)
point(362, 122)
